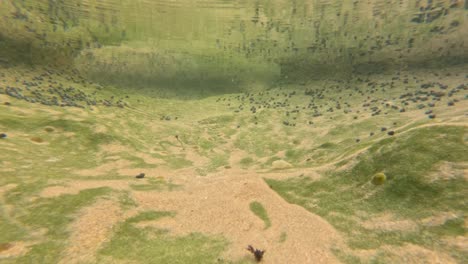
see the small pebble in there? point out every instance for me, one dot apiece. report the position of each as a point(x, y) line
point(432, 116)
point(3, 135)
point(391, 133)
point(140, 176)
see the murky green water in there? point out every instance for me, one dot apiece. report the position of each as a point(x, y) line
point(232, 45)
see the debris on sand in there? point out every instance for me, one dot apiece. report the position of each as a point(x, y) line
point(258, 254)
point(140, 176)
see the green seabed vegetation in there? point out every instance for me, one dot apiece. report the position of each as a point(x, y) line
point(89, 102)
point(423, 164)
point(131, 243)
point(412, 192)
point(260, 211)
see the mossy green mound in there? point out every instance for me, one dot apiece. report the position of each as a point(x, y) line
point(379, 178)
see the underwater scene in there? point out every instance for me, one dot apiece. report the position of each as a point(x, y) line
point(233, 131)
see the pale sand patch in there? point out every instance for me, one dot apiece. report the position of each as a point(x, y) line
point(53, 159)
point(100, 129)
point(281, 165)
point(7, 166)
point(74, 118)
point(436, 124)
point(113, 148)
point(410, 253)
point(197, 159)
point(22, 111)
point(281, 154)
point(5, 98)
point(147, 158)
point(177, 148)
point(439, 219)
point(105, 168)
point(49, 110)
point(365, 255)
point(119, 148)
point(304, 173)
point(387, 222)
point(310, 173)
point(6, 188)
point(74, 187)
point(109, 116)
point(69, 134)
point(90, 230)
point(8, 209)
point(219, 205)
point(77, 111)
point(448, 170)
point(348, 165)
point(7, 142)
point(112, 260)
point(16, 249)
point(459, 241)
point(236, 155)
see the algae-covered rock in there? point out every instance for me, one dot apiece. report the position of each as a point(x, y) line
point(280, 165)
point(379, 178)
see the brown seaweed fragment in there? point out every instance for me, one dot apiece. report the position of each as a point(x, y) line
point(258, 254)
